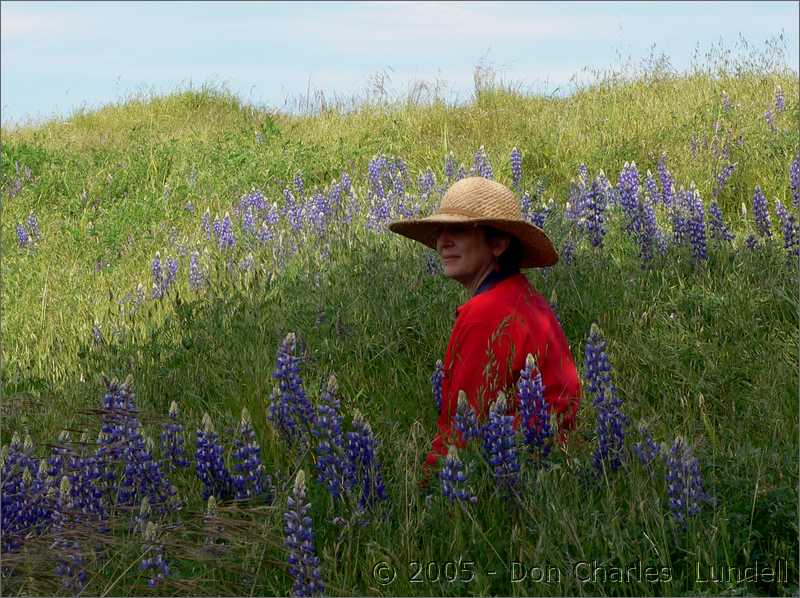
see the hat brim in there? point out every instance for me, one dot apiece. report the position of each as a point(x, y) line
point(537, 249)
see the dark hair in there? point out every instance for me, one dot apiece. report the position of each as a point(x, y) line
point(511, 258)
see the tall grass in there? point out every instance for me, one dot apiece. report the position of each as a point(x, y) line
point(707, 353)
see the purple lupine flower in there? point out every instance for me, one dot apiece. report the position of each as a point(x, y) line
point(678, 216)
point(761, 213)
point(299, 539)
point(768, 117)
point(648, 231)
point(481, 165)
point(461, 173)
point(249, 221)
point(697, 227)
point(250, 479)
point(651, 188)
point(205, 224)
point(516, 168)
point(628, 190)
point(498, 444)
point(347, 186)
point(426, 184)
point(217, 227)
point(211, 468)
point(142, 475)
point(648, 449)
point(611, 421)
point(719, 231)
point(264, 234)
point(155, 269)
point(436, 383)
point(794, 181)
point(173, 444)
point(791, 233)
point(290, 411)
point(33, 227)
point(196, 278)
point(567, 251)
point(299, 186)
point(596, 204)
point(23, 239)
point(525, 206)
point(70, 560)
point(466, 420)
point(667, 182)
point(449, 167)
point(726, 101)
point(227, 240)
point(246, 264)
point(153, 563)
point(684, 483)
point(454, 479)
point(779, 103)
point(361, 449)
point(722, 178)
point(172, 272)
point(333, 469)
point(751, 242)
point(534, 410)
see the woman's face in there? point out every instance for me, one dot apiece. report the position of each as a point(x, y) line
point(466, 253)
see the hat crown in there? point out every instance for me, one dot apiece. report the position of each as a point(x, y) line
point(478, 197)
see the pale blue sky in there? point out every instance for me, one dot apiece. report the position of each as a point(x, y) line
point(59, 56)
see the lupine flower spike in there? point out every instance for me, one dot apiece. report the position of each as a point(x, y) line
point(611, 422)
point(361, 448)
point(436, 384)
point(454, 479)
point(154, 562)
point(684, 483)
point(173, 449)
point(648, 449)
point(498, 444)
point(534, 410)
point(299, 532)
point(210, 464)
point(250, 479)
point(333, 468)
point(466, 420)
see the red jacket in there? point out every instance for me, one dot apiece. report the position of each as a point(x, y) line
point(493, 333)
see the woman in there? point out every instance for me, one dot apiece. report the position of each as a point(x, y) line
point(483, 241)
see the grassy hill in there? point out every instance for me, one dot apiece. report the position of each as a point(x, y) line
point(707, 351)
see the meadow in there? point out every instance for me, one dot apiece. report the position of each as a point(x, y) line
point(195, 250)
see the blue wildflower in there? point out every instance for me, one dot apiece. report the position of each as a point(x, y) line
point(481, 165)
point(534, 410)
point(155, 269)
point(595, 207)
point(697, 227)
point(299, 186)
point(466, 420)
point(498, 444)
point(779, 102)
point(153, 562)
point(794, 181)
point(196, 278)
point(250, 479)
point(628, 191)
point(33, 227)
point(210, 467)
point(436, 383)
point(333, 469)
point(299, 539)
point(722, 178)
point(173, 449)
point(290, 410)
point(611, 422)
point(23, 239)
point(648, 449)
point(791, 233)
point(667, 182)
point(516, 168)
point(761, 213)
point(719, 231)
point(454, 479)
point(361, 448)
point(684, 483)
point(227, 239)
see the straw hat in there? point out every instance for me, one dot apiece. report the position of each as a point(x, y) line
point(477, 200)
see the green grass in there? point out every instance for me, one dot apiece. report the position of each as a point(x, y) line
point(708, 353)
